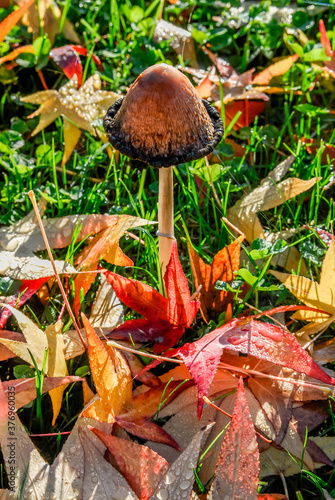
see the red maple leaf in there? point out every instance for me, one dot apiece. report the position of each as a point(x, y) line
point(247, 336)
point(165, 317)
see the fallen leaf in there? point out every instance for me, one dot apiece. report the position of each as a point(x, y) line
point(100, 476)
point(237, 470)
point(16, 52)
point(25, 388)
point(49, 14)
point(56, 364)
point(225, 262)
point(36, 343)
point(268, 195)
point(319, 295)
point(26, 290)
point(107, 310)
point(279, 68)
point(329, 65)
point(10, 21)
point(112, 379)
point(165, 317)
point(261, 340)
point(67, 58)
point(103, 246)
point(81, 107)
point(180, 40)
point(66, 475)
point(141, 466)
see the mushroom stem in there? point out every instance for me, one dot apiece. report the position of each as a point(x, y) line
point(165, 218)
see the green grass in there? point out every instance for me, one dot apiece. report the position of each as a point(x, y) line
point(120, 33)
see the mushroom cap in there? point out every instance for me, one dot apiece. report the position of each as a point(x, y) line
point(162, 120)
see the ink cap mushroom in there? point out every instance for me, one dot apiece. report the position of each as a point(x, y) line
point(162, 121)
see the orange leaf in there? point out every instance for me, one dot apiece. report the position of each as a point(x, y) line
point(104, 245)
point(276, 69)
point(12, 55)
point(205, 88)
point(112, 378)
point(11, 20)
point(222, 268)
point(113, 381)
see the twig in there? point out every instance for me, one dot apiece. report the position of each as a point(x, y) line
point(142, 353)
point(45, 238)
point(232, 225)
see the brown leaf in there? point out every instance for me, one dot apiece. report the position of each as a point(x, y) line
point(180, 40)
point(107, 310)
point(319, 295)
point(112, 378)
point(225, 262)
point(50, 15)
point(13, 440)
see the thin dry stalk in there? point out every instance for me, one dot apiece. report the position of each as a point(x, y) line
point(45, 238)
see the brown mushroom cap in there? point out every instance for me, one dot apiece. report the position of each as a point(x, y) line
point(162, 120)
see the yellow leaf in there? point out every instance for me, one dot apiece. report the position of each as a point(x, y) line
point(309, 292)
point(327, 277)
point(71, 135)
point(56, 364)
point(36, 339)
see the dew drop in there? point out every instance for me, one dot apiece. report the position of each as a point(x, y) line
point(162, 495)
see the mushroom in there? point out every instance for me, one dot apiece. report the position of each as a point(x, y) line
point(163, 121)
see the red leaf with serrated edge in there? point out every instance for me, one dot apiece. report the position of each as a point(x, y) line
point(26, 290)
point(141, 466)
point(67, 58)
point(237, 469)
point(262, 340)
point(165, 317)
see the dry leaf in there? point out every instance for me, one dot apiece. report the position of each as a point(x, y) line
point(50, 15)
point(276, 69)
point(180, 40)
point(81, 107)
point(37, 342)
point(268, 195)
point(56, 364)
point(319, 295)
point(107, 310)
